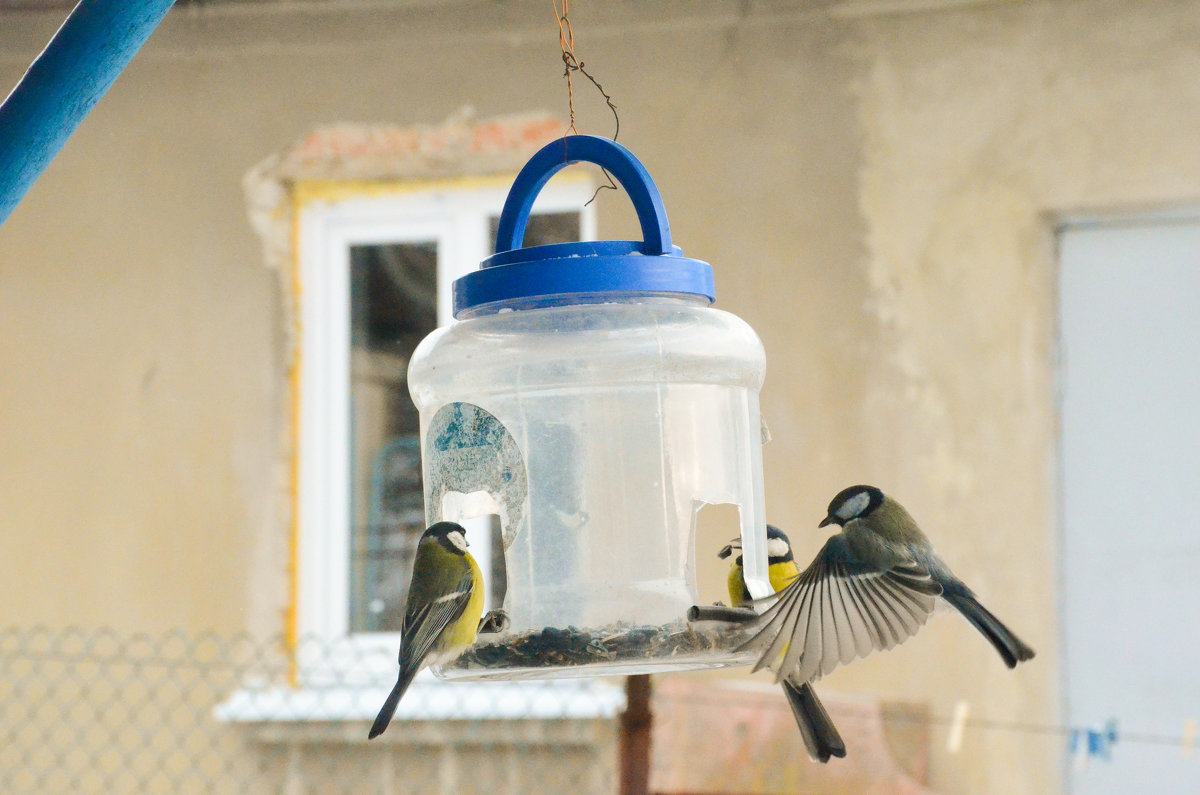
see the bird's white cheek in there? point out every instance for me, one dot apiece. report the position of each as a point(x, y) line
point(854, 506)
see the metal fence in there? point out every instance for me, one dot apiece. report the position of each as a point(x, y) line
point(96, 711)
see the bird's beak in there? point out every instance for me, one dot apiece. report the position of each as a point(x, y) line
point(727, 550)
point(828, 520)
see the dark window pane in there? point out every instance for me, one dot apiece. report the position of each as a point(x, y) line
point(393, 305)
point(393, 295)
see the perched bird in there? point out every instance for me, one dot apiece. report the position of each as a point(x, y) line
point(872, 586)
point(821, 737)
point(441, 616)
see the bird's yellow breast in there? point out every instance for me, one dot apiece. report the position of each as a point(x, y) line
point(461, 633)
point(738, 595)
point(780, 574)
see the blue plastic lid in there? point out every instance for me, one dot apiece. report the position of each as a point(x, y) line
point(570, 269)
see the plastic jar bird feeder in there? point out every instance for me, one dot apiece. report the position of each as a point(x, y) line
point(592, 398)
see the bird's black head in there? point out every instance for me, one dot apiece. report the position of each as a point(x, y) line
point(779, 548)
point(852, 503)
point(453, 537)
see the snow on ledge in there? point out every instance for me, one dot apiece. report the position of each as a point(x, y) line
point(428, 701)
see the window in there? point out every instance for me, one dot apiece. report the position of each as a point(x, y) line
point(375, 276)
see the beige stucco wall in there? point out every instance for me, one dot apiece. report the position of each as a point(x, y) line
point(981, 129)
point(875, 189)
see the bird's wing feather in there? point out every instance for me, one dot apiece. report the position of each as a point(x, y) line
point(423, 626)
point(868, 634)
point(784, 622)
point(840, 609)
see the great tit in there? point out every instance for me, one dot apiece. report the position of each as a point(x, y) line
point(872, 586)
point(821, 737)
point(441, 616)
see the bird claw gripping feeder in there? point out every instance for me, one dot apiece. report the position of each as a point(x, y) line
point(593, 399)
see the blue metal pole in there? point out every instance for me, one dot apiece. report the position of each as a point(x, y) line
point(63, 84)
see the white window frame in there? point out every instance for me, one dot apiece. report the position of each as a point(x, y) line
point(456, 217)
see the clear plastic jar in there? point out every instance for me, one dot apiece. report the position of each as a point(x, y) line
point(599, 424)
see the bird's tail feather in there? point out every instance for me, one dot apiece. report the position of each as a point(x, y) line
point(1011, 648)
point(821, 737)
point(393, 700)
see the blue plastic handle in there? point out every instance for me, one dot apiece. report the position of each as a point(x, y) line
point(610, 155)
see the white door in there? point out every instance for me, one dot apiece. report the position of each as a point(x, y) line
point(1130, 326)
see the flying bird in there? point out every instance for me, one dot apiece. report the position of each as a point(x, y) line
point(872, 586)
point(821, 737)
